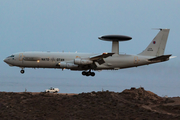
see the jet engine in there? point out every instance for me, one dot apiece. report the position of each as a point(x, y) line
point(82, 62)
point(67, 65)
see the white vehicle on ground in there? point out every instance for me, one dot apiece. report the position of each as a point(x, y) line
point(52, 90)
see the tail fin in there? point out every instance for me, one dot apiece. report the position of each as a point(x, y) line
point(158, 44)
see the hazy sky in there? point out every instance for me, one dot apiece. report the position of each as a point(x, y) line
point(74, 25)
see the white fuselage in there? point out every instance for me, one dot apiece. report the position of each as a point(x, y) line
point(51, 59)
point(154, 53)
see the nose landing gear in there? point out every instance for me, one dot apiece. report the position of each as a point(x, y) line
point(88, 73)
point(22, 71)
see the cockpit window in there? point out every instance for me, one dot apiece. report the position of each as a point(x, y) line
point(11, 56)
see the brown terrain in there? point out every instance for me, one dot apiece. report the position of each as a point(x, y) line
point(131, 104)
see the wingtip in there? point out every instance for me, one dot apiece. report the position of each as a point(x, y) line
point(172, 57)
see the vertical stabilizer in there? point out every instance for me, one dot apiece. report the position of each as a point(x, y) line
point(157, 45)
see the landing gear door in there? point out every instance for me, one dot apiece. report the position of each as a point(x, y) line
point(21, 56)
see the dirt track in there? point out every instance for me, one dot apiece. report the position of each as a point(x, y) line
point(131, 104)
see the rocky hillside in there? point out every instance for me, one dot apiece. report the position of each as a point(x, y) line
point(131, 104)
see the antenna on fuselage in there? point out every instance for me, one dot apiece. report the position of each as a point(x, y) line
point(115, 41)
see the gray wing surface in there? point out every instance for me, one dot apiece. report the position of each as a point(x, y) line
point(99, 58)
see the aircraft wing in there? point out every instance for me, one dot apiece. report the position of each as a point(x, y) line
point(99, 58)
point(160, 58)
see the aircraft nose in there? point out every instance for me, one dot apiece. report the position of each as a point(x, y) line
point(8, 61)
point(5, 60)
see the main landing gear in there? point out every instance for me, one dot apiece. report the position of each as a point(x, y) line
point(88, 73)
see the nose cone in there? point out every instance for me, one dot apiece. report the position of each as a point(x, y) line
point(5, 60)
point(8, 61)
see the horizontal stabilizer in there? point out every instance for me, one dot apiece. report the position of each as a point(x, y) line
point(159, 58)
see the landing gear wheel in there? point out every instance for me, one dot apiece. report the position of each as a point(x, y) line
point(22, 71)
point(92, 74)
point(89, 73)
point(84, 73)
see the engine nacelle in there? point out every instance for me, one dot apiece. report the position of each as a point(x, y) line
point(82, 62)
point(67, 65)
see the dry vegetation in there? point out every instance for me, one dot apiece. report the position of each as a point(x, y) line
point(131, 104)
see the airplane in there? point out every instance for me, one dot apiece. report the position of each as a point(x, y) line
point(86, 62)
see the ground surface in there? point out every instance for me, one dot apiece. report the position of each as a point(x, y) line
point(131, 104)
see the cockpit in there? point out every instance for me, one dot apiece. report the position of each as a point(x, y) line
point(9, 59)
point(11, 56)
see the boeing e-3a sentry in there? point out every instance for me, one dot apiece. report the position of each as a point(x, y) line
point(86, 62)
